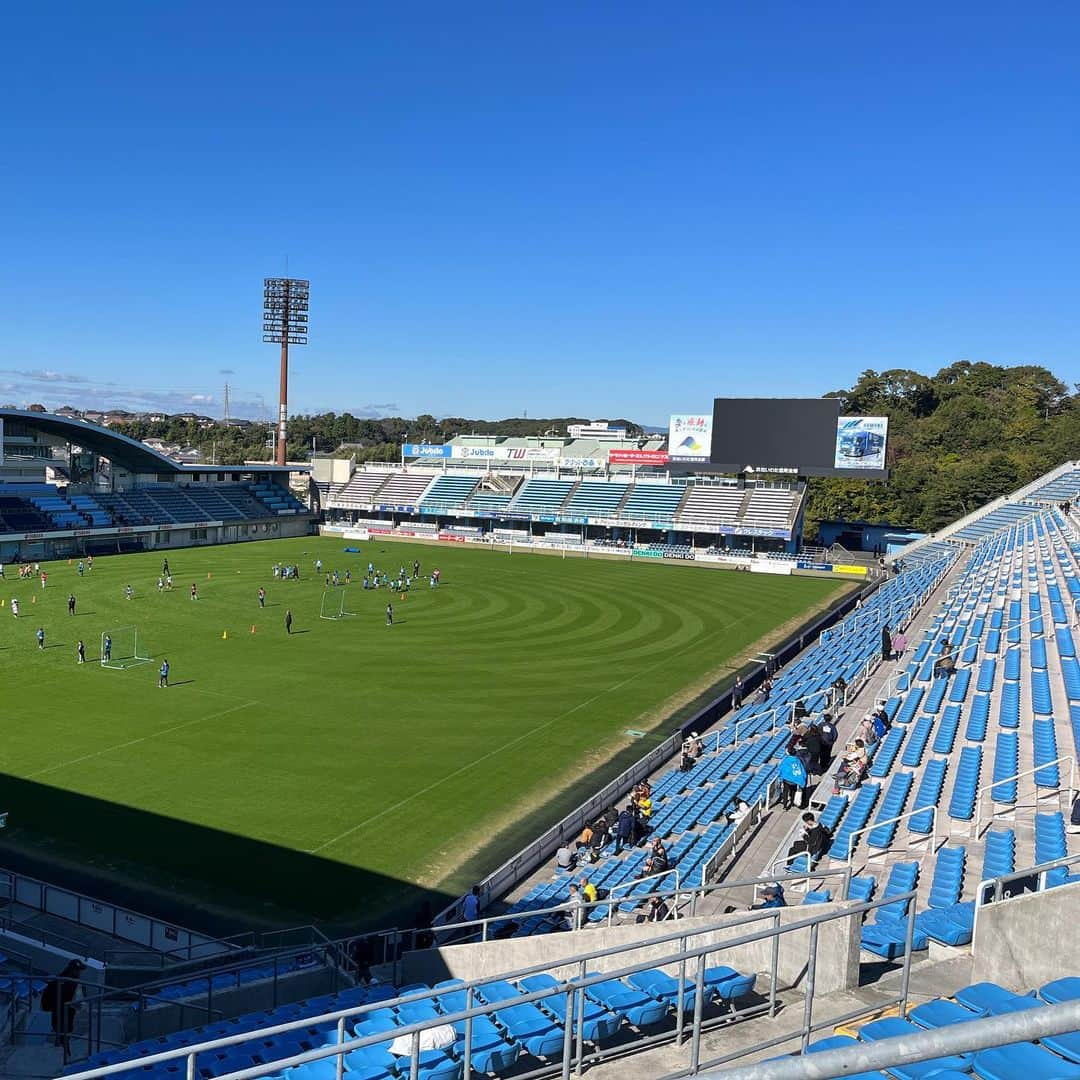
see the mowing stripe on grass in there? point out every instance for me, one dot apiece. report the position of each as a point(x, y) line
point(490, 754)
point(140, 739)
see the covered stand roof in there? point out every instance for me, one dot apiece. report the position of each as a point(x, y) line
point(126, 452)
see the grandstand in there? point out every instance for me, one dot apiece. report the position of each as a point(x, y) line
point(595, 504)
point(132, 498)
point(970, 790)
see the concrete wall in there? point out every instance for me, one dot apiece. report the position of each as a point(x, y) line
point(837, 958)
point(1025, 942)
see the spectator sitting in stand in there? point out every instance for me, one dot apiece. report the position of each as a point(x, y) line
point(945, 664)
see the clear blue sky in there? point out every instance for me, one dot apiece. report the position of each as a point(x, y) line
point(564, 208)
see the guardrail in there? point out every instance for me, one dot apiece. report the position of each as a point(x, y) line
point(690, 959)
point(120, 923)
point(991, 784)
point(995, 886)
point(932, 836)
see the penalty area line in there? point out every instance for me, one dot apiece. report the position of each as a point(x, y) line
point(141, 739)
point(484, 757)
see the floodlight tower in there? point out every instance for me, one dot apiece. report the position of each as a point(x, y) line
point(285, 321)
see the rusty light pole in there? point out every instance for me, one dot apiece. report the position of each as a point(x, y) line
point(285, 321)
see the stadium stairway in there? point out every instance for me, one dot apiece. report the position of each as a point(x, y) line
point(1009, 709)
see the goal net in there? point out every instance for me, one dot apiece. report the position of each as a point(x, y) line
point(333, 604)
point(123, 648)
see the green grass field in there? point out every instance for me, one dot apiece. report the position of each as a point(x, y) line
point(333, 773)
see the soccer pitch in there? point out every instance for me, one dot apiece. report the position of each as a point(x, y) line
point(335, 773)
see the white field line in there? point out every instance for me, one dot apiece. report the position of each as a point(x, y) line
point(498, 750)
point(140, 739)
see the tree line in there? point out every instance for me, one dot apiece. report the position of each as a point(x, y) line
point(957, 439)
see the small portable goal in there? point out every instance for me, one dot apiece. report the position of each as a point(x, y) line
point(127, 649)
point(332, 605)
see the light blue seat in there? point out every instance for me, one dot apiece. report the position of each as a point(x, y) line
point(1022, 1060)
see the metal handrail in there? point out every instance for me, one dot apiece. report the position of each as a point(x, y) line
point(692, 892)
point(866, 1057)
point(631, 884)
point(995, 885)
point(932, 836)
point(991, 784)
point(577, 987)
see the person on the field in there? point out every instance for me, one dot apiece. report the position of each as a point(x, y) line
point(163, 675)
point(89, 562)
point(15, 607)
point(71, 603)
point(160, 584)
point(80, 649)
point(106, 648)
point(288, 621)
point(129, 592)
point(416, 568)
point(168, 582)
point(389, 614)
point(165, 567)
point(41, 637)
point(262, 597)
point(194, 592)
point(318, 566)
point(348, 577)
point(81, 569)
point(44, 578)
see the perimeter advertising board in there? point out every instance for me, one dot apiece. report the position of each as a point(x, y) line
point(638, 457)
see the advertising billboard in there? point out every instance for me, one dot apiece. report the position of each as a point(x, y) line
point(860, 442)
point(425, 450)
point(638, 457)
point(690, 438)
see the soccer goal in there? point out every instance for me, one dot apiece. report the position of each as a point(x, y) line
point(333, 604)
point(123, 648)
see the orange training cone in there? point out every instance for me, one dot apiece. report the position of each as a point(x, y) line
point(253, 628)
point(33, 599)
point(208, 575)
point(224, 635)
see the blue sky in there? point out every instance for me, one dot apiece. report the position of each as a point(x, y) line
point(592, 209)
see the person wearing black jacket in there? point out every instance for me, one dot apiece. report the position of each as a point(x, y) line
point(814, 840)
point(886, 644)
point(813, 743)
point(59, 998)
point(827, 734)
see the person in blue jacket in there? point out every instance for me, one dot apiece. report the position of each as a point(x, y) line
point(793, 781)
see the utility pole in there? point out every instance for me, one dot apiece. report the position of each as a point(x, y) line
point(226, 404)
